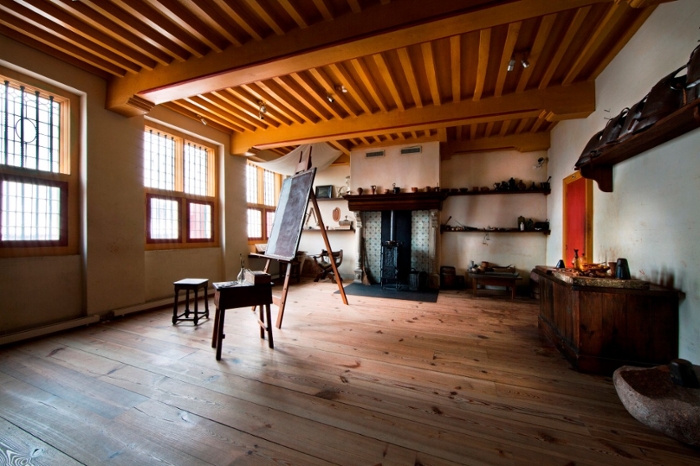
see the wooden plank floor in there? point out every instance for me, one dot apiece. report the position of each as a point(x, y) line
point(379, 382)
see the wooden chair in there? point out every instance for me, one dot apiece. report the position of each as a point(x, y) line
point(324, 262)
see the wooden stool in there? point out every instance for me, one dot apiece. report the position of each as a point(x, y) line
point(241, 295)
point(191, 284)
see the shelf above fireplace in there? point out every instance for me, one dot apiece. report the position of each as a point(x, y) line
point(401, 201)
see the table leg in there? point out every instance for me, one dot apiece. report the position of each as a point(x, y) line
point(220, 334)
point(206, 300)
point(269, 325)
point(215, 331)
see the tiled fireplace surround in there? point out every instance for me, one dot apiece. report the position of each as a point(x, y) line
point(424, 230)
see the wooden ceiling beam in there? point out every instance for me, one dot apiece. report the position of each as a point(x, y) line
point(543, 33)
point(616, 12)
point(231, 105)
point(410, 74)
point(456, 67)
point(389, 82)
point(189, 22)
point(210, 108)
point(86, 36)
point(564, 45)
point(375, 29)
point(506, 56)
point(232, 12)
point(559, 102)
point(122, 18)
point(429, 62)
point(315, 91)
point(323, 9)
point(294, 13)
point(482, 63)
point(298, 93)
point(212, 17)
point(350, 86)
point(264, 15)
point(527, 142)
point(56, 23)
point(253, 101)
point(368, 80)
point(105, 25)
point(46, 38)
point(227, 129)
point(322, 77)
point(279, 102)
point(162, 25)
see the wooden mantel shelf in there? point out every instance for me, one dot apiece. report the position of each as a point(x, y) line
point(678, 123)
point(401, 201)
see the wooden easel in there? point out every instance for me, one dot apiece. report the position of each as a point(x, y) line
point(280, 301)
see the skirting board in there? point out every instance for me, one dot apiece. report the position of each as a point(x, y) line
point(150, 305)
point(41, 331)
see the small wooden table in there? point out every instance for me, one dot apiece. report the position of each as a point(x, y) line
point(232, 295)
point(495, 279)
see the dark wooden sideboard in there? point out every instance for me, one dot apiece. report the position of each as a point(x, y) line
point(599, 329)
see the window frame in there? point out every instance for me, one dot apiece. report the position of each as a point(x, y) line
point(62, 241)
point(184, 240)
point(67, 177)
point(260, 205)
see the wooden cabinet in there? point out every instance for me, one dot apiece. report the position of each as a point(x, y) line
point(600, 329)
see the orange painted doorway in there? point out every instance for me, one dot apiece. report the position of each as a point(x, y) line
point(578, 218)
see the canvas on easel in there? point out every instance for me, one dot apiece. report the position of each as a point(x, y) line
point(288, 224)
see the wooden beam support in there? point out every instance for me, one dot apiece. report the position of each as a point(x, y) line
point(576, 101)
point(526, 142)
point(370, 32)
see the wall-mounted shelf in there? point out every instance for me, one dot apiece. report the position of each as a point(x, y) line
point(330, 230)
point(500, 230)
point(494, 191)
point(676, 124)
point(323, 199)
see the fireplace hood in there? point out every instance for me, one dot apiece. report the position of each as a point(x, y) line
point(401, 201)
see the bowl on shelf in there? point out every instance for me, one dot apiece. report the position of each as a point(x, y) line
point(463, 190)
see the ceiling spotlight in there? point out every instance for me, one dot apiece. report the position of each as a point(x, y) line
point(201, 119)
point(341, 89)
point(261, 116)
point(524, 61)
point(511, 64)
point(330, 98)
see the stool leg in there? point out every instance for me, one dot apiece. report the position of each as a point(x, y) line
point(206, 300)
point(196, 305)
point(177, 292)
point(187, 302)
point(269, 325)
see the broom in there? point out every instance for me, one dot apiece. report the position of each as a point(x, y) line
point(365, 279)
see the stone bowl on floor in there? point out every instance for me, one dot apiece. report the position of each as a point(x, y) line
point(653, 399)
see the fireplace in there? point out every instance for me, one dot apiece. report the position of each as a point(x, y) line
point(415, 233)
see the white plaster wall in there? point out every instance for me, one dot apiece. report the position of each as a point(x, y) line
point(39, 291)
point(167, 266)
point(407, 170)
point(651, 217)
point(473, 170)
point(312, 241)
